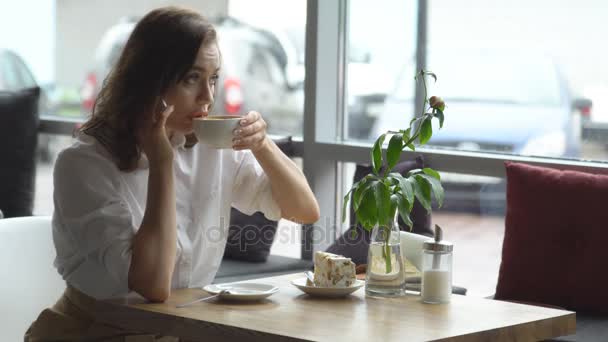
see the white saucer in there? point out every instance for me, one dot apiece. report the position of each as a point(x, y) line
point(329, 292)
point(243, 291)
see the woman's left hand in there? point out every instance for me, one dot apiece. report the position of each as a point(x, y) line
point(251, 133)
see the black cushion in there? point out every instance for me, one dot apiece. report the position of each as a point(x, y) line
point(274, 264)
point(356, 247)
point(18, 139)
point(250, 237)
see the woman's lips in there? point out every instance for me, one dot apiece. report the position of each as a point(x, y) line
point(200, 114)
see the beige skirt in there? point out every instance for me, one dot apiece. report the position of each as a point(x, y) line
point(72, 318)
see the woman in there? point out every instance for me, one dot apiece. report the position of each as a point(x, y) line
point(139, 206)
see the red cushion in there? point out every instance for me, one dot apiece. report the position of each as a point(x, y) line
point(555, 249)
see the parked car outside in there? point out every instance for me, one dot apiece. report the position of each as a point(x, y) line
point(251, 77)
point(595, 123)
point(15, 75)
point(497, 101)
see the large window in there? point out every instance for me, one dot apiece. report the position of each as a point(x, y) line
point(518, 86)
point(514, 82)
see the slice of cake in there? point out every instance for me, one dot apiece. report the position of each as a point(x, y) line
point(333, 270)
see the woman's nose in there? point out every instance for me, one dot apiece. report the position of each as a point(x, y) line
point(205, 96)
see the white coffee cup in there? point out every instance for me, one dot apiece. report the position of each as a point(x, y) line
point(216, 131)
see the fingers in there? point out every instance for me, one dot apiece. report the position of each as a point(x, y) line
point(252, 131)
point(250, 117)
point(248, 142)
point(245, 131)
point(164, 115)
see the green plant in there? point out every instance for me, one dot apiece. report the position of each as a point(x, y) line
point(378, 196)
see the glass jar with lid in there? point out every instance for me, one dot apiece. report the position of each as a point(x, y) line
point(436, 270)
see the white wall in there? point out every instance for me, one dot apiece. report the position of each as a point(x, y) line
point(28, 28)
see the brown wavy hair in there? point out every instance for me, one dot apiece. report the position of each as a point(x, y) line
point(160, 51)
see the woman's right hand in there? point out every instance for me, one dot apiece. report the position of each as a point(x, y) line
point(155, 139)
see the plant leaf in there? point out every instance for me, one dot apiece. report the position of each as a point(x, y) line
point(356, 186)
point(345, 203)
point(377, 154)
point(422, 190)
point(414, 123)
point(394, 150)
point(364, 185)
point(439, 114)
point(431, 173)
point(432, 74)
point(426, 131)
point(405, 208)
point(406, 134)
point(413, 172)
point(394, 177)
point(412, 139)
point(407, 189)
point(436, 188)
point(383, 202)
point(367, 213)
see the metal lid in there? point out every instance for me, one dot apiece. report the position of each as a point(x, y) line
point(439, 245)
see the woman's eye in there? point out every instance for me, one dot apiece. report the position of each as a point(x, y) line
point(191, 79)
point(213, 79)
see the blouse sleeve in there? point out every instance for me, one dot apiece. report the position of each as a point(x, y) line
point(251, 191)
point(93, 227)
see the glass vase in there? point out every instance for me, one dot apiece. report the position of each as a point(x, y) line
point(385, 268)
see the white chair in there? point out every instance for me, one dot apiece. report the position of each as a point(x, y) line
point(28, 282)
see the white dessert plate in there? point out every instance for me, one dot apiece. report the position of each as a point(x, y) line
point(329, 292)
point(243, 291)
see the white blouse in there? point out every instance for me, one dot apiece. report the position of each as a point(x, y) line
point(99, 208)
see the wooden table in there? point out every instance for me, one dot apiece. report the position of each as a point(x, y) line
point(291, 315)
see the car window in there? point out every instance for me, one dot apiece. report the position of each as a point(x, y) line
point(26, 79)
point(265, 67)
point(10, 79)
point(258, 67)
point(274, 69)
